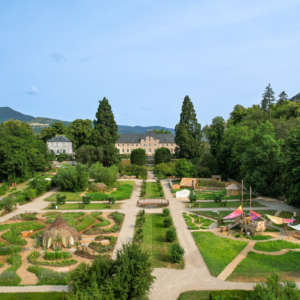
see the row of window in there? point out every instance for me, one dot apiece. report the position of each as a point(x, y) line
point(149, 150)
point(57, 144)
point(58, 151)
point(144, 145)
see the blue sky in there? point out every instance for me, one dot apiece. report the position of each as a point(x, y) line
point(59, 58)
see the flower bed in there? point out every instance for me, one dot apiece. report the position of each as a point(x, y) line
point(33, 259)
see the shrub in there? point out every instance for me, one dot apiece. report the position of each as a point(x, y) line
point(10, 250)
point(166, 212)
point(49, 277)
point(3, 189)
point(171, 235)
point(168, 221)
point(89, 154)
point(7, 204)
point(138, 157)
point(72, 179)
point(29, 194)
point(13, 236)
point(102, 174)
point(118, 217)
point(217, 197)
point(184, 169)
point(162, 155)
point(177, 252)
point(204, 172)
point(61, 157)
point(57, 255)
point(165, 169)
point(273, 289)
point(61, 198)
point(111, 199)
point(192, 197)
point(40, 185)
point(9, 276)
point(86, 199)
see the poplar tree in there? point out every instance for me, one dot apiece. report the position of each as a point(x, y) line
point(268, 99)
point(188, 132)
point(105, 133)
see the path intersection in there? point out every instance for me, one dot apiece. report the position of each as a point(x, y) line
point(169, 283)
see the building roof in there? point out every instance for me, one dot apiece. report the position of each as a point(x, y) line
point(59, 138)
point(136, 138)
point(232, 187)
point(188, 181)
point(216, 176)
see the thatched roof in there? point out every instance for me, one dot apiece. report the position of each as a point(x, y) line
point(216, 176)
point(188, 182)
point(59, 229)
point(232, 187)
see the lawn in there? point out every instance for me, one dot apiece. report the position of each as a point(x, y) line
point(194, 295)
point(152, 191)
point(74, 206)
point(124, 191)
point(273, 246)
point(33, 296)
point(189, 223)
point(154, 242)
point(70, 196)
point(217, 252)
point(235, 204)
point(257, 267)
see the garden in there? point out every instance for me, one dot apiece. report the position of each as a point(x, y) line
point(157, 235)
point(24, 261)
point(152, 190)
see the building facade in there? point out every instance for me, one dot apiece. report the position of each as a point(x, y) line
point(60, 144)
point(149, 141)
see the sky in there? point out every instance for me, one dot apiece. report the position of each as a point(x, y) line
point(59, 58)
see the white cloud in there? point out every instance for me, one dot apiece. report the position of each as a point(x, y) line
point(33, 91)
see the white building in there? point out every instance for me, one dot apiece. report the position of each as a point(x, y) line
point(61, 144)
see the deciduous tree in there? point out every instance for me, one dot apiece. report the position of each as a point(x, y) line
point(81, 131)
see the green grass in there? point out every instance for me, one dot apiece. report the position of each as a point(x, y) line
point(257, 267)
point(85, 222)
point(8, 250)
point(217, 252)
point(49, 277)
point(277, 245)
point(104, 222)
point(9, 276)
point(33, 296)
point(124, 191)
point(261, 237)
point(23, 226)
point(189, 223)
point(74, 206)
point(152, 191)
point(154, 242)
point(194, 295)
point(235, 204)
point(70, 196)
point(19, 241)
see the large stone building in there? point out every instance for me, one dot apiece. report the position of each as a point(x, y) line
point(149, 141)
point(61, 144)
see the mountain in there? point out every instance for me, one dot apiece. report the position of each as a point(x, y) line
point(139, 129)
point(6, 113)
point(295, 98)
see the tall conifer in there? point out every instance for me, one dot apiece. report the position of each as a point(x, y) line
point(105, 133)
point(268, 99)
point(188, 132)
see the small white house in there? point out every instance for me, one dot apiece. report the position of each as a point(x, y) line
point(60, 144)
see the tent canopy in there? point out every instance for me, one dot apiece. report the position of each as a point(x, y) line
point(234, 214)
point(278, 220)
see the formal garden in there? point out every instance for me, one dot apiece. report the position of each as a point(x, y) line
point(27, 256)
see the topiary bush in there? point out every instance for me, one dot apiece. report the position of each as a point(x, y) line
point(162, 155)
point(138, 157)
point(171, 235)
point(166, 212)
point(168, 222)
point(177, 253)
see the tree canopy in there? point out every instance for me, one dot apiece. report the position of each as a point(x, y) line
point(162, 131)
point(81, 131)
point(188, 132)
point(162, 155)
point(138, 157)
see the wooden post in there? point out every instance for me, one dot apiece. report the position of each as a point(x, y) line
point(285, 226)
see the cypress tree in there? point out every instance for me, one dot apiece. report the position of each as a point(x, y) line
point(188, 132)
point(105, 133)
point(268, 99)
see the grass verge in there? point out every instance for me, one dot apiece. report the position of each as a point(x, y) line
point(277, 245)
point(217, 252)
point(257, 267)
point(234, 204)
point(33, 296)
point(9, 276)
point(48, 277)
point(91, 206)
point(70, 196)
point(152, 191)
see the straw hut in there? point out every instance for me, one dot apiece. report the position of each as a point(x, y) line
point(59, 234)
point(232, 190)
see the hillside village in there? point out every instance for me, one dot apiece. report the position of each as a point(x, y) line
point(204, 212)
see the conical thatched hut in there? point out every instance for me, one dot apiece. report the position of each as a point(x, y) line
point(59, 234)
